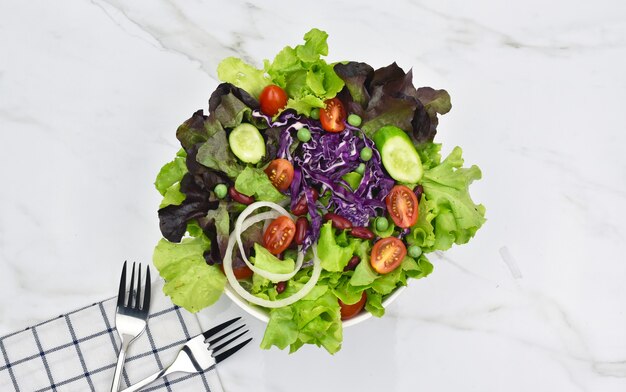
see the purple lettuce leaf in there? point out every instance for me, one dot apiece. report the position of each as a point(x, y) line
point(387, 96)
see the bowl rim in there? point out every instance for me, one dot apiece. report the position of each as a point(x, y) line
point(261, 313)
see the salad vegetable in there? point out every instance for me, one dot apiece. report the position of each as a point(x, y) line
point(398, 154)
point(246, 142)
point(313, 189)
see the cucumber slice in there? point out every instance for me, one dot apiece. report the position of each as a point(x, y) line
point(398, 154)
point(247, 143)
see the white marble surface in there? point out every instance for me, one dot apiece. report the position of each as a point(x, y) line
point(92, 91)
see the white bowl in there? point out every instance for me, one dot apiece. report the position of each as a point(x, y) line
point(263, 313)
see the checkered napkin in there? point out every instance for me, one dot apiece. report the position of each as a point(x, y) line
point(77, 351)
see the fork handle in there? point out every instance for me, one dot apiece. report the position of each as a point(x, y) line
point(117, 376)
point(165, 372)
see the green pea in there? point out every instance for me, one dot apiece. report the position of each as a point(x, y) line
point(315, 114)
point(354, 120)
point(366, 154)
point(382, 223)
point(220, 191)
point(415, 251)
point(304, 135)
point(360, 169)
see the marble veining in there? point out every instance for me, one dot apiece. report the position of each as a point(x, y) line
point(91, 93)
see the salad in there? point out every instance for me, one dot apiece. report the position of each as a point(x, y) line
point(313, 189)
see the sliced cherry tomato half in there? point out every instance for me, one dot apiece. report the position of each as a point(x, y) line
point(387, 255)
point(402, 206)
point(280, 173)
point(272, 99)
point(279, 234)
point(241, 272)
point(349, 311)
point(333, 116)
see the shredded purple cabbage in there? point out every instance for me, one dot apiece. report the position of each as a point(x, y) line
point(322, 161)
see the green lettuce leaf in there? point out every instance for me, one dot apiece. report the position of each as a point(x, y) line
point(172, 196)
point(171, 173)
point(190, 281)
point(364, 274)
point(314, 46)
point(254, 182)
point(347, 293)
point(353, 179)
point(374, 303)
point(266, 261)
point(306, 78)
point(430, 154)
point(333, 256)
point(384, 285)
point(168, 180)
point(417, 269)
point(236, 71)
point(305, 103)
point(422, 232)
point(315, 319)
point(282, 329)
point(457, 217)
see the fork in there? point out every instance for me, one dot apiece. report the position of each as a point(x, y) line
point(131, 316)
point(199, 353)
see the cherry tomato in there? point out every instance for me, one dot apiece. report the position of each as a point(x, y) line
point(279, 234)
point(240, 273)
point(402, 206)
point(349, 311)
point(272, 99)
point(280, 172)
point(387, 255)
point(333, 116)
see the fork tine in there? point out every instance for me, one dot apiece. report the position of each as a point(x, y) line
point(132, 288)
point(146, 292)
point(218, 328)
point(232, 331)
point(121, 295)
point(222, 356)
point(226, 343)
point(138, 296)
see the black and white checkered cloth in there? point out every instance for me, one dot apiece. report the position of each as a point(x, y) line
point(77, 351)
